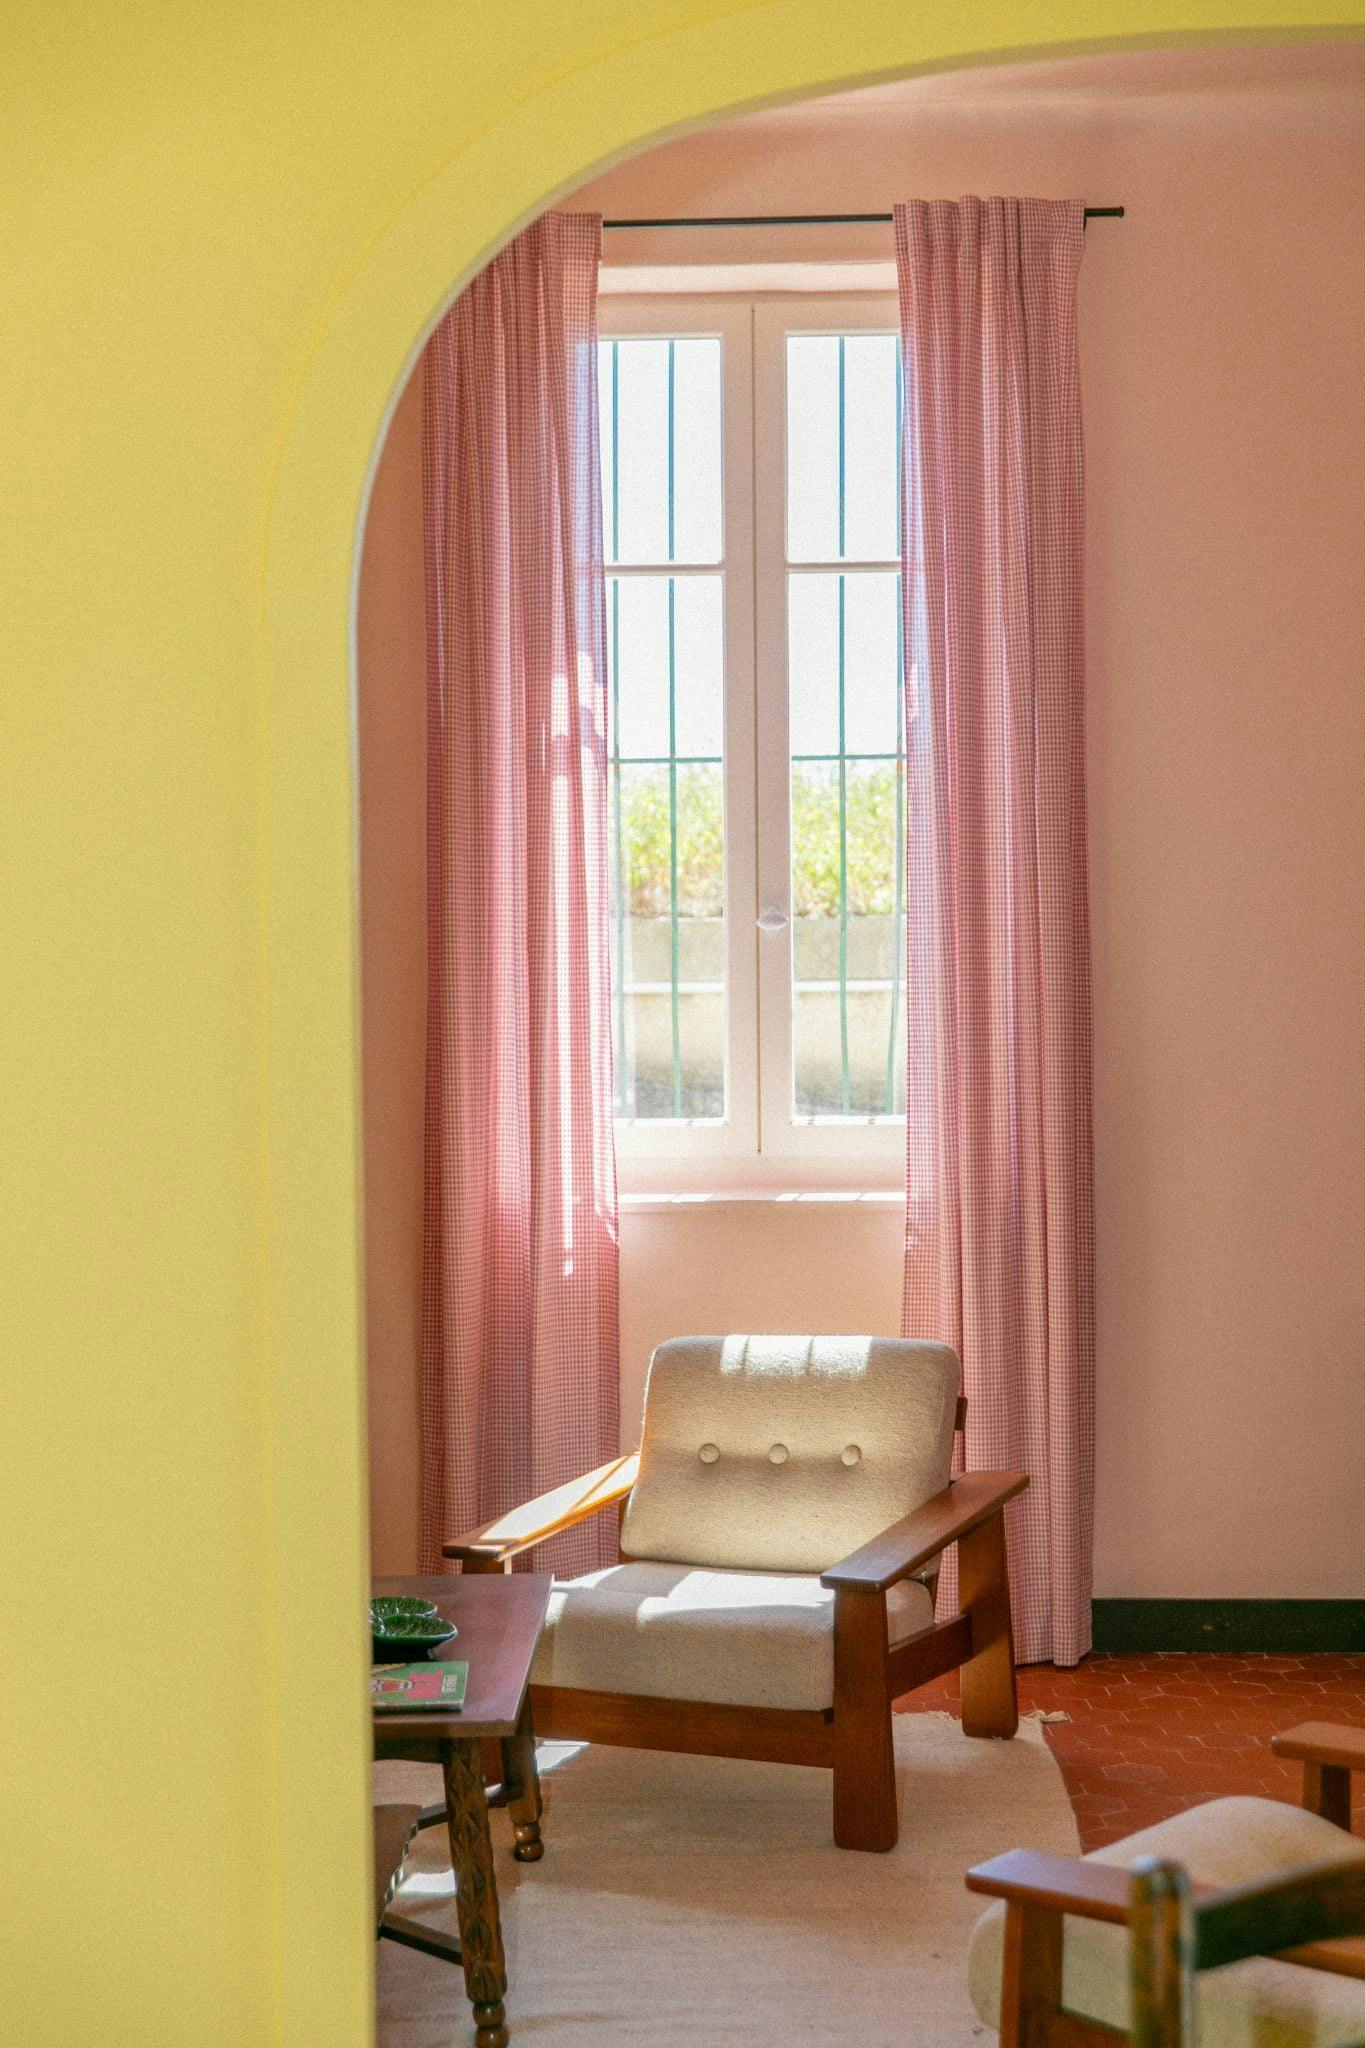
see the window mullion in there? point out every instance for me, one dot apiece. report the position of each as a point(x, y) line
point(845, 1080)
point(898, 892)
point(836, 567)
point(675, 923)
point(625, 1105)
point(615, 450)
point(772, 733)
point(898, 895)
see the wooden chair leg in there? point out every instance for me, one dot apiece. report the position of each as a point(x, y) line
point(1031, 1975)
point(522, 1780)
point(990, 1701)
point(494, 1772)
point(865, 1814)
point(1327, 1790)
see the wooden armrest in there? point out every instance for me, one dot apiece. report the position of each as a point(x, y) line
point(1323, 1903)
point(1094, 1891)
point(1323, 1742)
point(561, 1508)
point(916, 1538)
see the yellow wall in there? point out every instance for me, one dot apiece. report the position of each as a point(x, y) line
point(391, 756)
point(233, 223)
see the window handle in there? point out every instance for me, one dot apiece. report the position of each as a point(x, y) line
point(772, 920)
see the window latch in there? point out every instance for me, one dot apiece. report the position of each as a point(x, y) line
point(772, 920)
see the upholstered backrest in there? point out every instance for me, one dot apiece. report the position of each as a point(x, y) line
point(786, 1453)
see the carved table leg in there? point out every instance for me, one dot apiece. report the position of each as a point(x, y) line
point(476, 1897)
point(522, 1779)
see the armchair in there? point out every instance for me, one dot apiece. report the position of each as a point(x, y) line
point(781, 1529)
point(1222, 1883)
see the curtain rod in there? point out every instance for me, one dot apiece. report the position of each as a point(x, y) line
point(806, 220)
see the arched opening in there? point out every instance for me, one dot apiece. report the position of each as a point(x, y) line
point(324, 462)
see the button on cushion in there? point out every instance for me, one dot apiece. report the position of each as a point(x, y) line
point(708, 1454)
point(778, 1455)
point(850, 1455)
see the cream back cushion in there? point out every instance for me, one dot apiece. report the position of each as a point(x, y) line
point(785, 1453)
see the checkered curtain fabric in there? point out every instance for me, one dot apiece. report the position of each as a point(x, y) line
point(519, 1335)
point(999, 1232)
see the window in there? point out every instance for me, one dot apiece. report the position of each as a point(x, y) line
point(751, 507)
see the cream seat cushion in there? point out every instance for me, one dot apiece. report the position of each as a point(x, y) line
point(1257, 2004)
point(741, 1639)
point(784, 1454)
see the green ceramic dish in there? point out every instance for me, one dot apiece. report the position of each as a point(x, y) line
point(389, 1607)
point(403, 1630)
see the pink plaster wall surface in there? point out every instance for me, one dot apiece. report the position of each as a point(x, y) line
point(1222, 326)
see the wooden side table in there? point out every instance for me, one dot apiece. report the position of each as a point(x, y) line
point(499, 1619)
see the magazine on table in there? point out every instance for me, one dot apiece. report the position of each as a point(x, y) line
point(419, 1688)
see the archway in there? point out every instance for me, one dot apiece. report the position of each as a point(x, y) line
point(638, 90)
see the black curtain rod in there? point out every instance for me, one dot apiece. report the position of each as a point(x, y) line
point(806, 220)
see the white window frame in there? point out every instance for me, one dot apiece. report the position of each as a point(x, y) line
point(868, 1149)
point(653, 1152)
point(759, 1147)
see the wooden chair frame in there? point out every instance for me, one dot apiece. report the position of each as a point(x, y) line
point(852, 1738)
point(1314, 1917)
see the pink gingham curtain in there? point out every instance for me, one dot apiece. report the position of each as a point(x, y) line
point(999, 1237)
point(519, 1337)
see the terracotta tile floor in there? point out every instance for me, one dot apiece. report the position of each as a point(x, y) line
point(1149, 1736)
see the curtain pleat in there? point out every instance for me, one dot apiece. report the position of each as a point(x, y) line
point(520, 1284)
point(999, 1252)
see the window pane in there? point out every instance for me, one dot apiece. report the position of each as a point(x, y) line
point(669, 926)
point(843, 456)
point(661, 496)
point(844, 638)
point(662, 626)
point(812, 448)
point(697, 451)
point(872, 447)
point(847, 718)
point(848, 935)
point(873, 1014)
point(660, 404)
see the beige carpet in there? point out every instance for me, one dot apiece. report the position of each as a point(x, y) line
point(683, 1899)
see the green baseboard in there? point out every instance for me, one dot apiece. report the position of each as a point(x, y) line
point(1283, 1627)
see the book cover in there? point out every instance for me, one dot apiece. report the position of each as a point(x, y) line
point(413, 1688)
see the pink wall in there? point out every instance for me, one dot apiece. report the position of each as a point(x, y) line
point(391, 659)
point(1225, 421)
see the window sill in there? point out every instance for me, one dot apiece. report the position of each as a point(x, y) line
point(718, 1198)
